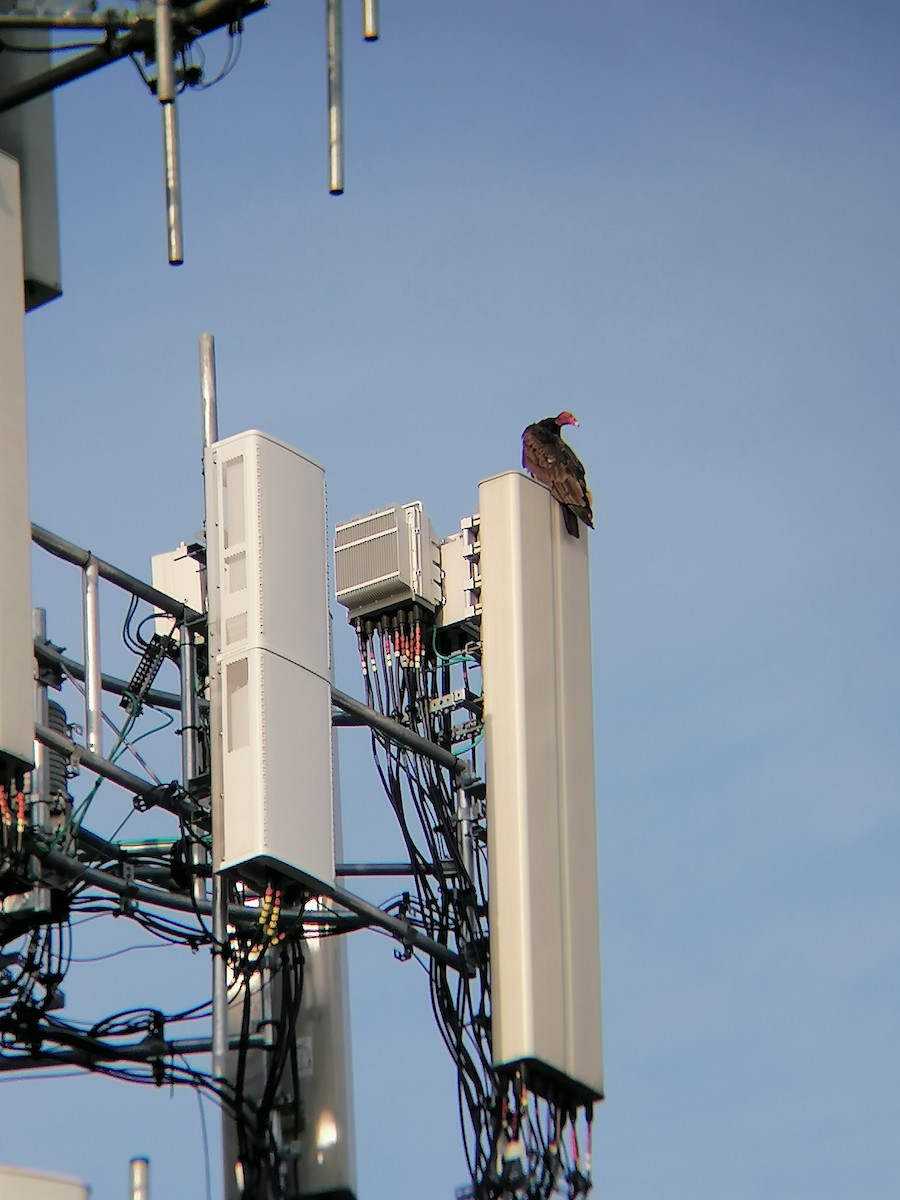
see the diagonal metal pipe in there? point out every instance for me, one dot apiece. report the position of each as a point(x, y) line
point(202, 17)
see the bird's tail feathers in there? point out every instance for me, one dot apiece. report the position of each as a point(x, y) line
point(571, 521)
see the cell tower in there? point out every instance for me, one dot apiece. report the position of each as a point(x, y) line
point(475, 658)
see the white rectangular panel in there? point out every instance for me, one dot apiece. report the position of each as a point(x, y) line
point(326, 1165)
point(17, 1183)
point(270, 657)
point(388, 558)
point(178, 575)
point(16, 646)
point(321, 1164)
point(540, 780)
point(267, 548)
point(276, 766)
point(27, 133)
point(321, 1159)
point(577, 800)
point(460, 584)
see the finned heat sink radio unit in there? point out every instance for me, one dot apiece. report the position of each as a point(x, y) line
point(387, 559)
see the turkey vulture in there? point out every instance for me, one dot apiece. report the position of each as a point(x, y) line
point(552, 462)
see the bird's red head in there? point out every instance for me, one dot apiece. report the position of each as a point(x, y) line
point(566, 418)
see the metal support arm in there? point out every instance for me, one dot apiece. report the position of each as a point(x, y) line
point(202, 17)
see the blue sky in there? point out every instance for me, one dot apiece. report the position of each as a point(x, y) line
point(680, 223)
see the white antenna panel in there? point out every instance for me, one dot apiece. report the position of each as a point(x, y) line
point(270, 658)
point(26, 133)
point(542, 838)
point(16, 645)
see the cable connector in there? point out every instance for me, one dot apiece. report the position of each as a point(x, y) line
point(158, 650)
point(20, 817)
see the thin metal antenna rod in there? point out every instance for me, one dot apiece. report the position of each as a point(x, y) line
point(190, 741)
point(208, 405)
point(210, 424)
point(139, 1179)
point(93, 682)
point(466, 836)
point(40, 782)
point(334, 45)
point(165, 91)
point(370, 20)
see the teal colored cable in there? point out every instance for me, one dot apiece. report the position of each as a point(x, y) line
point(448, 658)
point(78, 814)
point(471, 745)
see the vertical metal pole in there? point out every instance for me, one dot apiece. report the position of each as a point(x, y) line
point(370, 20)
point(334, 43)
point(466, 846)
point(93, 686)
point(208, 403)
point(210, 422)
point(40, 776)
point(188, 665)
point(189, 741)
point(139, 1179)
point(173, 185)
point(165, 92)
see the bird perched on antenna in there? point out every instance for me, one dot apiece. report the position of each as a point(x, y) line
point(552, 462)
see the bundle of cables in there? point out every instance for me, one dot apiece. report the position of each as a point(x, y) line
point(266, 967)
point(516, 1143)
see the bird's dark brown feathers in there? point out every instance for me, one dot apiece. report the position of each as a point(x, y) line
point(553, 462)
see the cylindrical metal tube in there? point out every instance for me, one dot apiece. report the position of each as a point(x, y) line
point(204, 15)
point(40, 775)
point(188, 665)
point(165, 93)
point(173, 184)
point(334, 43)
point(208, 402)
point(49, 656)
point(141, 1052)
point(238, 915)
point(210, 425)
point(139, 1179)
point(249, 918)
point(199, 859)
point(109, 770)
point(189, 741)
point(93, 683)
point(88, 20)
point(68, 551)
point(370, 20)
point(165, 52)
point(466, 841)
point(220, 977)
point(403, 736)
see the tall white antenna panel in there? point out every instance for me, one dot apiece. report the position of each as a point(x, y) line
point(538, 715)
point(268, 614)
point(16, 648)
point(27, 133)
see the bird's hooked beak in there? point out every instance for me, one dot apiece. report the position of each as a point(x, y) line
point(566, 418)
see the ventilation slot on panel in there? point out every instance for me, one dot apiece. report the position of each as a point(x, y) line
point(236, 572)
point(237, 704)
point(234, 530)
point(236, 629)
